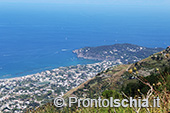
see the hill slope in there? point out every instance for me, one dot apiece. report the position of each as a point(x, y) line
point(113, 77)
point(119, 77)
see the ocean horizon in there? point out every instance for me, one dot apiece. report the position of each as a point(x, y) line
point(34, 38)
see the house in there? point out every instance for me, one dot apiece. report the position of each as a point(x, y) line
point(168, 48)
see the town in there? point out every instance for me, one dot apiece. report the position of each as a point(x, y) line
point(27, 92)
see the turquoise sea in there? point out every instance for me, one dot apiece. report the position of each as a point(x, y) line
point(37, 37)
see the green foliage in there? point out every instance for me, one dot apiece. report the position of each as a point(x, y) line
point(111, 93)
point(131, 89)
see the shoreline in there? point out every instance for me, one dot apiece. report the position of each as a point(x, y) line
point(41, 87)
point(39, 73)
point(44, 69)
point(79, 54)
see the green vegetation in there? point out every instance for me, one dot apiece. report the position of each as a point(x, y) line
point(147, 78)
point(161, 89)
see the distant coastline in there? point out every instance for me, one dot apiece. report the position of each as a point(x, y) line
point(39, 70)
point(38, 73)
point(89, 54)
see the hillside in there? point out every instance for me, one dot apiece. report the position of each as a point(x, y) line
point(131, 79)
point(120, 53)
point(113, 77)
point(31, 91)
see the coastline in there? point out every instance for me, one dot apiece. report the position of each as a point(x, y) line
point(16, 78)
point(33, 72)
point(48, 84)
point(39, 73)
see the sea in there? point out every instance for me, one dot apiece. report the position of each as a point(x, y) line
point(40, 36)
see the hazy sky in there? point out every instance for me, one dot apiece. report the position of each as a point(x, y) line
point(124, 2)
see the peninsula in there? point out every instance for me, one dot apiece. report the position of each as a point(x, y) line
point(119, 53)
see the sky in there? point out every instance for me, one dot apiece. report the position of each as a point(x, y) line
point(119, 2)
point(163, 5)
